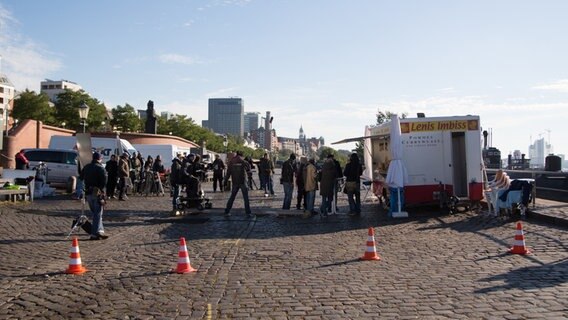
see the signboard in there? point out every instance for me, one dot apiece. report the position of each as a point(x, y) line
point(444, 125)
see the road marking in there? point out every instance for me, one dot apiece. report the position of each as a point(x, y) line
point(209, 313)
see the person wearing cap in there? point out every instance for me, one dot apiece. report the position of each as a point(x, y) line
point(237, 171)
point(95, 178)
point(123, 174)
point(218, 169)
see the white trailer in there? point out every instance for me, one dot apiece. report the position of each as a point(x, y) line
point(440, 154)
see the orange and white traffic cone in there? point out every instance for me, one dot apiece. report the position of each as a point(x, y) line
point(75, 266)
point(183, 266)
point(519, 246)
point(371, 250)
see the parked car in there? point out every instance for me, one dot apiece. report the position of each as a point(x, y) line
point(61, 163)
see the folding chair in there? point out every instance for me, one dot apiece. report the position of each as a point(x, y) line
point(367, 185)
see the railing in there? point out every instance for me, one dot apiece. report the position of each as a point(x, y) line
point(551, 185)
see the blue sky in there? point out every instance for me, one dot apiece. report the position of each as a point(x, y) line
point(325, 65)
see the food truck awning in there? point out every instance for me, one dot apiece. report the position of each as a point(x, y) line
point(360, 138)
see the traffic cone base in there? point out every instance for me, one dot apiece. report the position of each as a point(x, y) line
point(184, 265)
point(519, 246)
point(75, 266)
point(516, 250)
point(371, 250)
point(185, 268)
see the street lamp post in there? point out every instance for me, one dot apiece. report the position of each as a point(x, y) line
point(83, 114)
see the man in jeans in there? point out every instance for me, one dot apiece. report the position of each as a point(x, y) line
point(288, 170)
point(237, 170)
point(310, 187)
point(95, 178)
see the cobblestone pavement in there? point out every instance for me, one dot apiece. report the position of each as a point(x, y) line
point(277, 265)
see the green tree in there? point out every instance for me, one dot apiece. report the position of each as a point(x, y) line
point(323, 152)
point(126, 118)
point(67, 105)
point(30, 105)
point(383, 117)
point(284, 154)
point(359, 148)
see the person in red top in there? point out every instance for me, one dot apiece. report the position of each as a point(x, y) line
point(22, 162)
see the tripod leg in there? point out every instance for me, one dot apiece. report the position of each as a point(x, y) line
point(80, 220)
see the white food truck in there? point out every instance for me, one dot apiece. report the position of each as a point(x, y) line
point(441, 154)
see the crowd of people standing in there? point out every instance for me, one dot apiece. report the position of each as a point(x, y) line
point(303, 174)
point(186, 172)
point(134, 174)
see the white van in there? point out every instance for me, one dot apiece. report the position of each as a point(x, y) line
point(166, 151)
point(61, 163)
point(105, 146)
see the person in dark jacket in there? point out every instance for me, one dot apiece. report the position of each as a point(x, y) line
point(288, 171)
point(300, 184)
point(22, 162)
point(176, 181)
point(353, 171)
point(218, 169)
point(198, 168)
point(338, 176)
point(158, 166)
point(237, 171)
point(111, 168)
point(266, 169)
point(95, 178)
point(327, 184)
point(190, 179)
